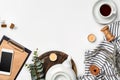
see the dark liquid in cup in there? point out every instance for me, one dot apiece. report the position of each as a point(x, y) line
point(105, 10)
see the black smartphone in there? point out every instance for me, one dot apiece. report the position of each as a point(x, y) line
point(6, 61)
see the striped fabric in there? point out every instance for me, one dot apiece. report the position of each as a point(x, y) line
point(102, 57)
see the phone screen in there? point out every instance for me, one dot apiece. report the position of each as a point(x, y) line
point(5, 63)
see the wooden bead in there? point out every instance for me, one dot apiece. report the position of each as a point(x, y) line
point(3, 24)
point(53, 57)
point(107, 33)
point(12, 26)
point(91, 38)
point(94, 70)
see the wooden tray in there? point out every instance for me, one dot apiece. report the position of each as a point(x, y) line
point(61, 58)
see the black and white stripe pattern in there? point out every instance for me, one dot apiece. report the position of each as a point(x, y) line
point(102, 57)
point(114, 28)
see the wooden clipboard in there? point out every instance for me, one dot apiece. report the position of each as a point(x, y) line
point(20, 56)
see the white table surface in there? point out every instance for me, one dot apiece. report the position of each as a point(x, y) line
point(61, 25)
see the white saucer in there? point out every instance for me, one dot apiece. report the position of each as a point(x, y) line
point(60, 72)
point(98, 17)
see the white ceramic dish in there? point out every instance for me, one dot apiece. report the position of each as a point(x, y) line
point(96, 13)
point(62, 71)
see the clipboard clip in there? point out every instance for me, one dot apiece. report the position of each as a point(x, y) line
point(16, 45)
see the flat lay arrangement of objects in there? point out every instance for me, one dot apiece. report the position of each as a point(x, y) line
point(101, 63)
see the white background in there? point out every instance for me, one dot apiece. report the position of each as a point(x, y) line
point(61, 25)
